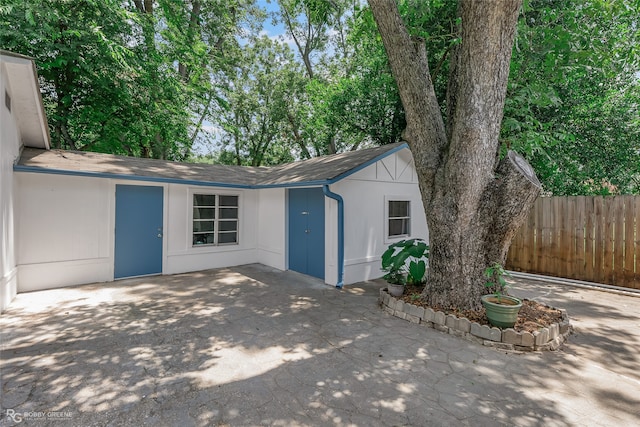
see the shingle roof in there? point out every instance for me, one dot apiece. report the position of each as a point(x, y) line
point(314, 171)
point(326, 168)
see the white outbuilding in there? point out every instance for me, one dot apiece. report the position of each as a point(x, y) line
point(22, 123)
point(78, 217)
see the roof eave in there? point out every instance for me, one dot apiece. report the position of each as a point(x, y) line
point(27, 91)
point(165, 180)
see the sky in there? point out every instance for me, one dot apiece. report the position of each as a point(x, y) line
point(201, 147)
point(270, 29)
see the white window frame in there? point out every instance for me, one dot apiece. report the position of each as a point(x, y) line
point(216, 220)
point(387, 218)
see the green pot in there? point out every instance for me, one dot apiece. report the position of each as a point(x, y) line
point(504, 313)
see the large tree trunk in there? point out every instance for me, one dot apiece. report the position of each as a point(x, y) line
point(474, 204)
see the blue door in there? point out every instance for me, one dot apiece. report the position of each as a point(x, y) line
point(138, 240)
point(306, 231)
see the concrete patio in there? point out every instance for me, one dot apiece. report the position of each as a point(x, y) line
point(255, 346)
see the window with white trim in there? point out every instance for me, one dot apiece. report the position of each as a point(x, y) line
point(215, 219)
point(398, 218)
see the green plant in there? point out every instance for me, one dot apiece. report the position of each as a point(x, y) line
point(495, 275)
point(405, 261)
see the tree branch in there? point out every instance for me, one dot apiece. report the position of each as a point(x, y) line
point(425, 131)
point(506, 203)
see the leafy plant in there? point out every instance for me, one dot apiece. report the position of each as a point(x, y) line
point(496, 281)
point(405, 261)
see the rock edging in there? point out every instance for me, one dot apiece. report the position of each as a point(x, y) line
point(546, 339)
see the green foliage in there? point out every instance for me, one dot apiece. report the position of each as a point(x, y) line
point(496, 281)
point(572, 102)
point(118, 77)
point(258, 93)
point(406, 261)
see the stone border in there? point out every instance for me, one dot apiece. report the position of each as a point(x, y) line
point(546, 339)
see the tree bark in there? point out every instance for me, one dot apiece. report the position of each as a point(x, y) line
point(194, 20)
point(473, 204)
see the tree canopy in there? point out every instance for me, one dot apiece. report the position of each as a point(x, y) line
point(199, 80)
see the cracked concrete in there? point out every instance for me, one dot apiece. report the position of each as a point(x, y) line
point(254, 346)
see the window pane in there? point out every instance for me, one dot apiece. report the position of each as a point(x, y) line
point(204, 213)
point(228, 213)
point(203, 239)
point(202, 226)
point(398, 208)
point(228, 225)
point(228, 237)
point(228, 200)
point(398, 227)
point(215, 219)
point(204, 200)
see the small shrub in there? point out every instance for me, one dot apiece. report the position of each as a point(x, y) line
point(495, 275)
point(406, 262)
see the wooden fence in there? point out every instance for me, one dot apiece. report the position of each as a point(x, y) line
point(596, 239)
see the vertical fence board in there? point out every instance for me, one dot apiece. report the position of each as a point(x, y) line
point(528, 242)
point(556, 230)
point(587, 238)
point(618, 240)
point(567, 238)
point(629, 241)
point(598, 211)
point(636, 242)
point(578, 266)
point(608, 229)
point(540, 243)
point(548, 232)
point(590, 238)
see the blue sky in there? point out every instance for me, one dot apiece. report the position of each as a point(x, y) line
point(269, 28)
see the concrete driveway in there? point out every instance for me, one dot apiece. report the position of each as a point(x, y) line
point(255, 346)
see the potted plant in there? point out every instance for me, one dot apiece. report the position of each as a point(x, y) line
point(404, 262)
point(502, 309)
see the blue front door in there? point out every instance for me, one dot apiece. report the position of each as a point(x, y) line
point(306, 231)
point(138, 240)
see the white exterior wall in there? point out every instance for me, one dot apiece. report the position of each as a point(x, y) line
point(9, 152)
point(272, 227)
point(65, 225)
point(66, 230)
point(365, 195)
point(182, 257)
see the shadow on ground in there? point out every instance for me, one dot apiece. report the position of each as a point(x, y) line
point(255, 346)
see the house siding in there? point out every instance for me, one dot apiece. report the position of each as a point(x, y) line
point(66, 225)
point(66, 230)
point(272, 227)
point(365, 194)
point(9, 152)
point(182, 257)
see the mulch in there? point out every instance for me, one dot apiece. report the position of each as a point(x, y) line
point(532, 316)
